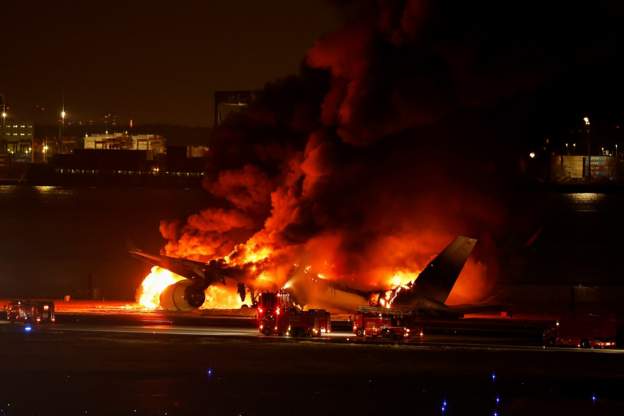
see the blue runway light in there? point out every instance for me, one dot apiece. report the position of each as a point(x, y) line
point(498, 399)
point(28, 328)
point(594, 398)
point(493, 376)
point(209, 372)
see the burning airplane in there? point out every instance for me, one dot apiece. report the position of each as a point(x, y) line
point(425, 295)
point(359, 170)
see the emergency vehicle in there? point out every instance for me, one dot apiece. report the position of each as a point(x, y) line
point(374, 322)
point(30, 311)
point(278, 314)
point(582, 331)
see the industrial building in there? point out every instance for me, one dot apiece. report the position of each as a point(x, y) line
point(16, 138)
point(573, 168)
point(151, 143)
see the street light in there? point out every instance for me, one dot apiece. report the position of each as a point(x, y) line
point(589, 147)
point(61, 126)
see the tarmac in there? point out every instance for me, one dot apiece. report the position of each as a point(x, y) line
point(145, 363)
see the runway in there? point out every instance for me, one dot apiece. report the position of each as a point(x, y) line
point(161, 364)
point(144, 324)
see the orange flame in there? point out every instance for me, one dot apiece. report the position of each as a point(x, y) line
point(153, 285)
point(222, 297)
point(217, 297)
point(402, 278)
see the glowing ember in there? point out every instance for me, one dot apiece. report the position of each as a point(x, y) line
point(153, 285)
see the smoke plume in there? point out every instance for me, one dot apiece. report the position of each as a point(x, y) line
point(401, 131)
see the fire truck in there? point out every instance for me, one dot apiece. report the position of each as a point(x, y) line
point(582, 331)
point(374, 322)
point(278, 314)
point(30, 311)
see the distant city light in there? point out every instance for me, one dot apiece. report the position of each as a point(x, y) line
point(4, 114)
point(532, 155)
point(63, 114)
point(586, 120)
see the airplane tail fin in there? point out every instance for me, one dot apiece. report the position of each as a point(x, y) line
point(438, 278)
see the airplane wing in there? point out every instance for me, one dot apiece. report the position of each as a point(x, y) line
point(190, 269)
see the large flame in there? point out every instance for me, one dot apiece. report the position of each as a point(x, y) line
point(153, 285)
point(222, 297)
point(402, 278)
point(217, 297)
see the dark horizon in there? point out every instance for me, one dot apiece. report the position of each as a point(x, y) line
point(147, 61)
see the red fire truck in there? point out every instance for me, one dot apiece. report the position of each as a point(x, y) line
point(582, 331)
point(30, 311)
point(376, 322)
point(278, 314)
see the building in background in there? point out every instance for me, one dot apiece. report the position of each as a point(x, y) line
point(153, 144)
point(570, 169)
point(16, 139)
point(229, 102)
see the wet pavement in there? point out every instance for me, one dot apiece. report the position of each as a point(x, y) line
point(98, 369)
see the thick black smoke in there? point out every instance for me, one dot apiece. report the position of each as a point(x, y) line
point(406, 127)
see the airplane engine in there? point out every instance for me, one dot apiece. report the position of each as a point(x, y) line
point(182, 296)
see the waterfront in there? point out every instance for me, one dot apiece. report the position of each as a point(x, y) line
point(53, 238)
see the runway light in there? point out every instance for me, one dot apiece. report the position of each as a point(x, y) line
point(594, 398)
point(493, 376)
point(210, 372)
point(498, 399)
point(28, 328)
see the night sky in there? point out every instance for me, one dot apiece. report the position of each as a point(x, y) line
point(151, 61)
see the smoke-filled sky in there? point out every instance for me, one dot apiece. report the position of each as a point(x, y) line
point(407, 127)
point(153, 61)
